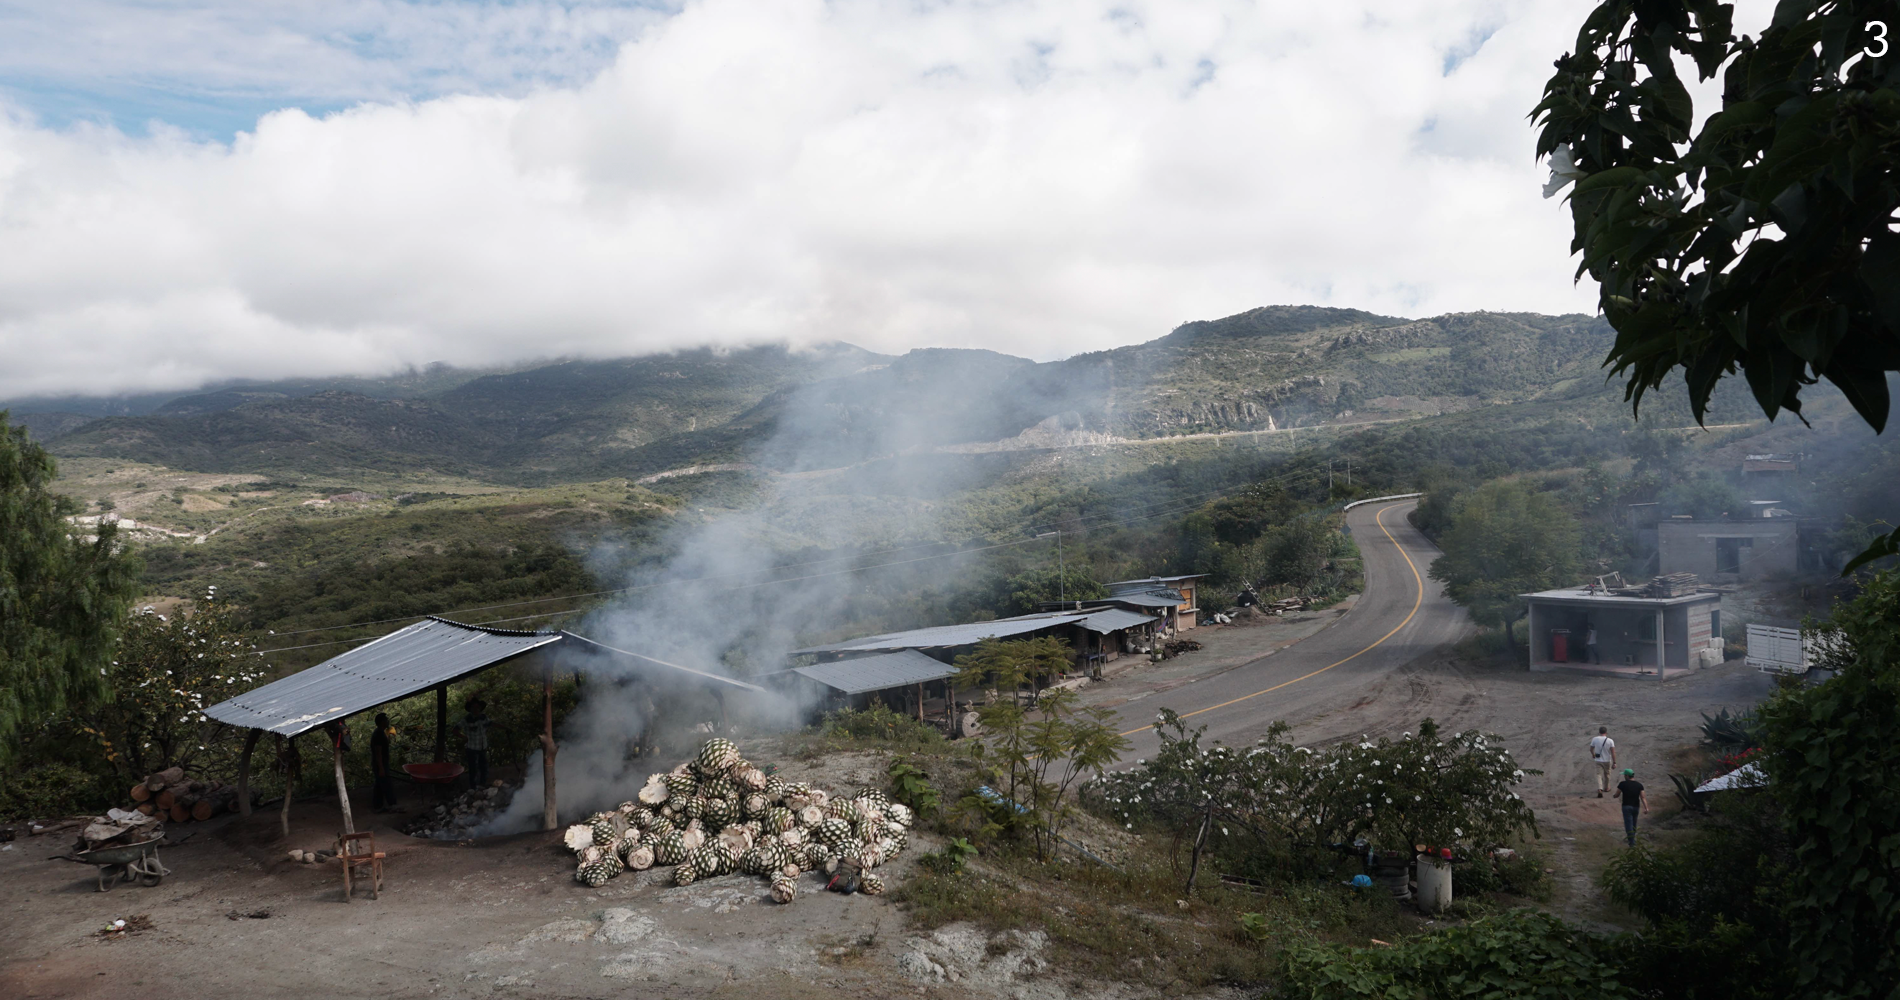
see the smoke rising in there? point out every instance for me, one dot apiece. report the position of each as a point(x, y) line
point(733, 593)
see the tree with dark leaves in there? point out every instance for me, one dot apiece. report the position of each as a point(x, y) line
point(1763, 242)
point(63, 594)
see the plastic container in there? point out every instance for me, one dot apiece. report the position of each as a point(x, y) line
point(1560, 645)
point(1434, 884)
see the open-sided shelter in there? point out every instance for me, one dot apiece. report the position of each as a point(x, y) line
point(429, 655)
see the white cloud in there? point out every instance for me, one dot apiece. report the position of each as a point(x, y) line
point(1039, 177)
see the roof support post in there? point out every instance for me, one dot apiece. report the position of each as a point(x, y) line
point(292, 764)
point(441, 723)
point(1661, 652)
point(920, 701)
point(342, 789)
point(549, 814)
point(244, 771)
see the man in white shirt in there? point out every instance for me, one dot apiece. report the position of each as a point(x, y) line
point(1603, 752)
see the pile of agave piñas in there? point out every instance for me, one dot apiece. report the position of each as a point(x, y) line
point(717, 814)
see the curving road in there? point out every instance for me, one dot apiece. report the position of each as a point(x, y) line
point(1401, 616)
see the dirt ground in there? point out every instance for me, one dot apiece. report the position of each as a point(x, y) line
point(503, 916)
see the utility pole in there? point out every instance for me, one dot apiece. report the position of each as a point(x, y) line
point(1062, 573)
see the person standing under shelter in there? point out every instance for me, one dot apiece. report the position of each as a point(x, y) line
point(1590, 642)
point(1631, 792)
point(1603, 752)
point(382, 796)
point(475, 741)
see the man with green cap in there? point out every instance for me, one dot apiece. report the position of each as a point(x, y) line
point(1631, 792)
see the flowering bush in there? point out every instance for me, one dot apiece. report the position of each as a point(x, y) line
point(1423, 789)
point(165, 672)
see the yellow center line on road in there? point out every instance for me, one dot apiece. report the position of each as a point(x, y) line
point(1417, 601)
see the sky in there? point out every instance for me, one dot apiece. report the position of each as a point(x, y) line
point(198, 191)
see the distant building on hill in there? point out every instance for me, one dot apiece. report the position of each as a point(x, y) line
point(1728, 551)
point(1773, 473)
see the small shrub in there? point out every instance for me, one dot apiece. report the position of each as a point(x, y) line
point(878, 724)
point(1522, 953)
point(951, 859)
point(53, 789)
point(911, 786)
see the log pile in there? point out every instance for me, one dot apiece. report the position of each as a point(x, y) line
point(170, 795)
point(460, 817)
point(718, 814)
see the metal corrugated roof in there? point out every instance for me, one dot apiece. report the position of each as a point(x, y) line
point(1113, 619)
point(875, 673)
point(948, 635)
point(405, 662)
point(1149, 599)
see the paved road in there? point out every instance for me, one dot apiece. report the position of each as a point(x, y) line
point(1401, 616)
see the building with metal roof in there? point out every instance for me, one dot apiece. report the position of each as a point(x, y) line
point(945, 636)
point(859, 675)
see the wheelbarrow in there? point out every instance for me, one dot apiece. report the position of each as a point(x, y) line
point(440, 774)
point(124, 863)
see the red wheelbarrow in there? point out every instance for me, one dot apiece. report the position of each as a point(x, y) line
point(439, 773)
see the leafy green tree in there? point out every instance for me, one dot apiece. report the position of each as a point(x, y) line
point(62, 594)
point(1028, 590)
point(1036, 751)
point(166, 671)
point(1705, 497)
point(1504, 541)
point(1834, 749)
point(1763, 242)
point(1296, 552)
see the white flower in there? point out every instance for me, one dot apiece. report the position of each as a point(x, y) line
point(1563, 171)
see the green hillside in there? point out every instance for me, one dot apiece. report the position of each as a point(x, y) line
point(1268, 368)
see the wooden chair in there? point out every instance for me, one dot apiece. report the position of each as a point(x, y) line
point(349, 850)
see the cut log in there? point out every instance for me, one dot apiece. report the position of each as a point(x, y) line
point(180, 813)
point(169, 776)
point(165, 798)
point(203, 809)
point(146, 808)
point(140, 793)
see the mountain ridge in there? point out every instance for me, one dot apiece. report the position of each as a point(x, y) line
point(789, 410)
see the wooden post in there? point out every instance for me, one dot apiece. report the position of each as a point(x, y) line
point(920, 701)
point(442, 723)
point(342, 789)
point(291, 771)
point(244, 771)
point(549, 815)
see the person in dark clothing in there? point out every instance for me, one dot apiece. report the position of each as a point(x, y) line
point(475, 741)
point(382, 797)
point(1631, 792)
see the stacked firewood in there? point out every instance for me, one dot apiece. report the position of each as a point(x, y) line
point(170, 795)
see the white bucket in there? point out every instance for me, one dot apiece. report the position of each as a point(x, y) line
point(1434, 884)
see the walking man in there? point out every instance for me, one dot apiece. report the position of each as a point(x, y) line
point(1631, 792)
point(1603, 752)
